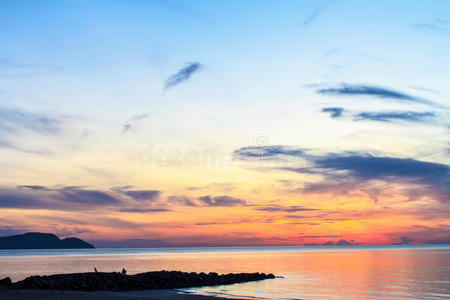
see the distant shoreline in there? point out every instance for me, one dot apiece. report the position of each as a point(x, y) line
point(37, 241)
point(118, 250)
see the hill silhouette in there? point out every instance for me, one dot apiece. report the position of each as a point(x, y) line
point(37, 240)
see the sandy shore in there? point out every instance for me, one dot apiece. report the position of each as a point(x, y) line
point(101, 295)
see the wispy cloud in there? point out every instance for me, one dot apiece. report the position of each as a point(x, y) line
point(10, 145)
point(369, 90)
point(88, 218)
point(423, 235)
point(266, 152)
point(206, 201)
point(143, 194)
point(335, 112)
point(437, 25)
point(148, 195)
point(12, 67)
point(132, 243)
point(121, 199)
point(58, 198)
point(133, 121)
point(181, 200)
point(213, 223)
point(290, 209)
point(12, 121)
point(73, 198)
point(144, 210)
point(221, 201)
point(315, 13)
point(85, 196)
point(318, 236)
point(34, 187)
point(395, 116)
point(347, 186)
point(182, 75)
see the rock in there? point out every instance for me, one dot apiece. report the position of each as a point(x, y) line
point(5, 283)
point(117, 282)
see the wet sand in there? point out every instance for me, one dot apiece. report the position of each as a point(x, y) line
point(100, 295)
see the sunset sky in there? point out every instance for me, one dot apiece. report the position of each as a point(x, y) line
point(197, 123)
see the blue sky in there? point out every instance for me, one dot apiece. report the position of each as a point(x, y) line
point(84, 91)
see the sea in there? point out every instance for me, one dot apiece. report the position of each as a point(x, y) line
point(339, 272)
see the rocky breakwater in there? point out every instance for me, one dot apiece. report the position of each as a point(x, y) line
point(118, 282)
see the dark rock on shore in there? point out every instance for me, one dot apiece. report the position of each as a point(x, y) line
point(118, 282)
point(5, 283)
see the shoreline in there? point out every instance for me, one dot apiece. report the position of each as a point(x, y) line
point(167, 294)
point(162, 285)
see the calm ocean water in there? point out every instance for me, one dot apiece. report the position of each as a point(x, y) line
point(382, 272)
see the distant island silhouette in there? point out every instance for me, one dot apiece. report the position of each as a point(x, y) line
point(341, 242)
point(38, 240)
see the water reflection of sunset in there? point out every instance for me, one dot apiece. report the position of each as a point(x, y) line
point(308, 273)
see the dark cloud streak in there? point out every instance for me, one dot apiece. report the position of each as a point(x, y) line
point(335, 112)
point(182, 75)
point(265, 152)
point(368, 90)
point(349, 170)
point(143, 194)
point(290, 209)
point(395, 116)
point(221, 201)
point(143, 210)
point(315, 14)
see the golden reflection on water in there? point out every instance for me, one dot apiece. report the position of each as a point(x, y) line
point(350, 274)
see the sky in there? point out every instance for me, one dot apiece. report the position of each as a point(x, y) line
point(227, 123)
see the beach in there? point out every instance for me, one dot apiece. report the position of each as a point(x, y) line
point(100, 295)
